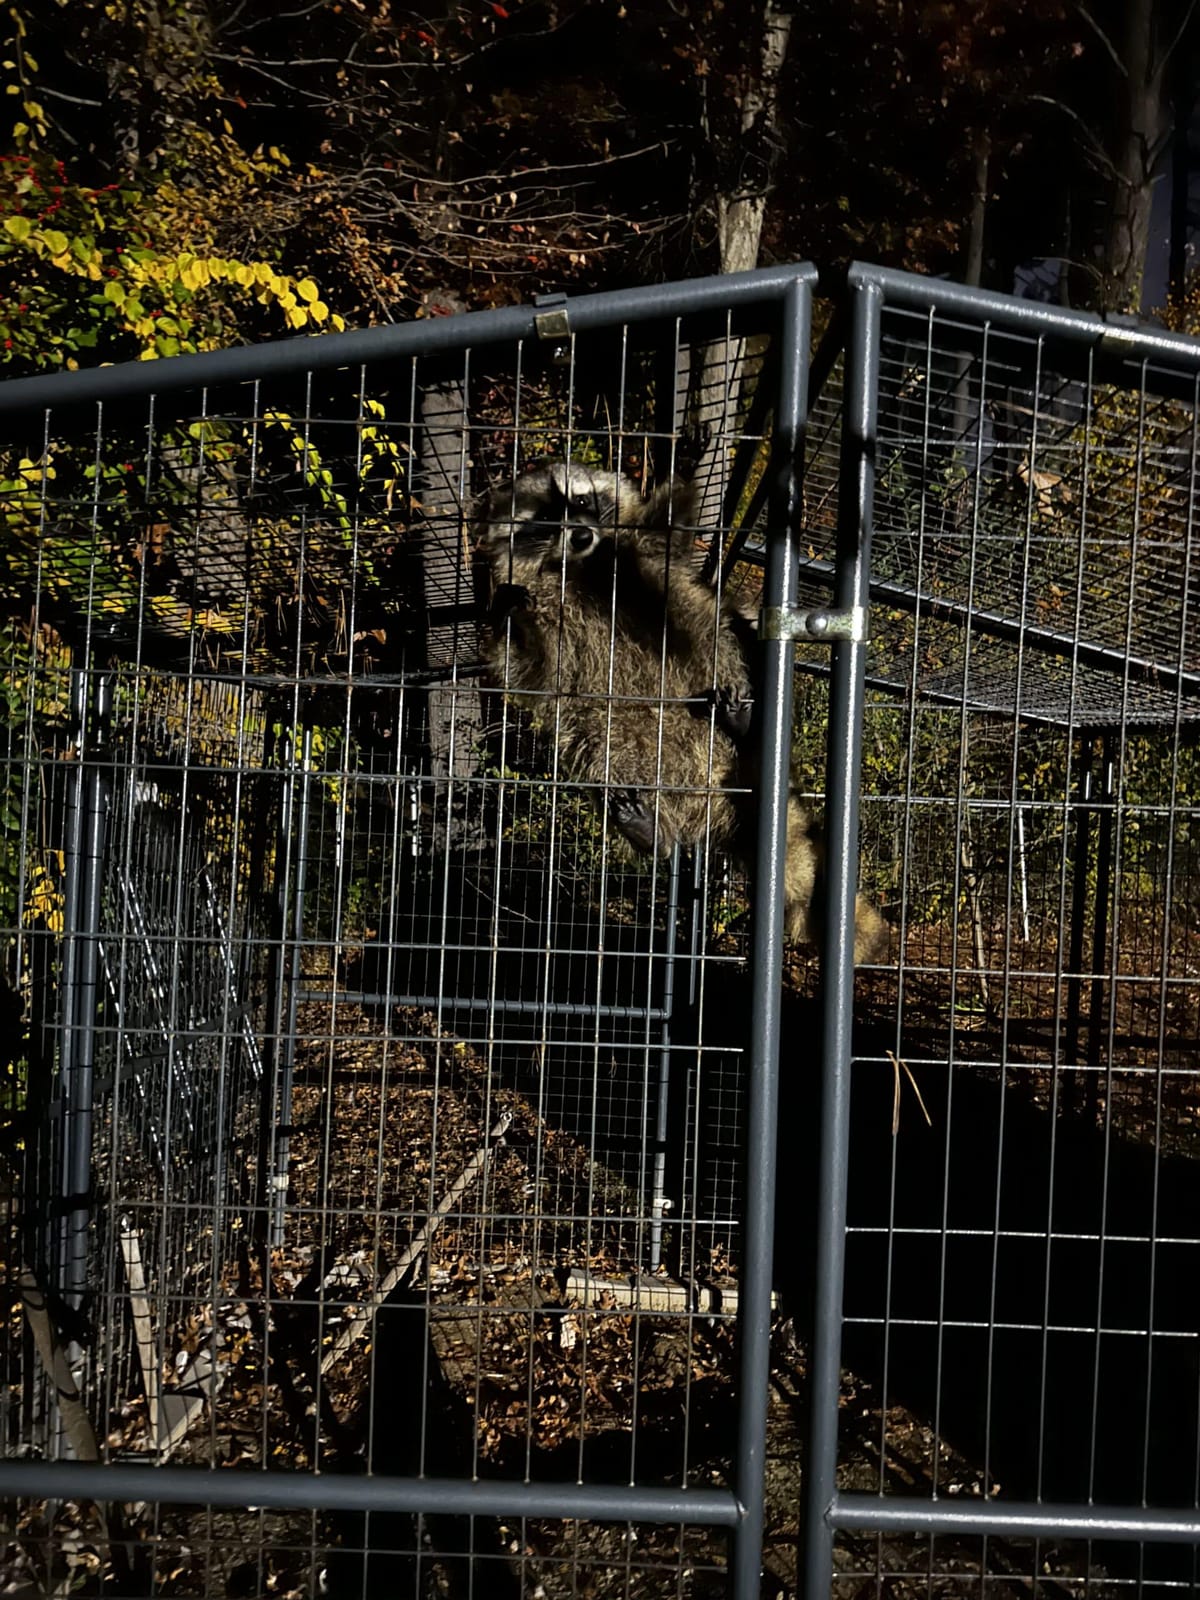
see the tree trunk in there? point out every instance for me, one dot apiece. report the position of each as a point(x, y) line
point(1181, 176)
point(721, 369)
point(981, 149)
point(454, 722)
point(1140, 143)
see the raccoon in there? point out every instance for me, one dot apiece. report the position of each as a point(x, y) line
point(604, 628)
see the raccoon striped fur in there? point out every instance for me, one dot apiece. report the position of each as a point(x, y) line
point(604, 629)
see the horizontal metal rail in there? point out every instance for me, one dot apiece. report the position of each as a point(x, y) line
point(1121, 339)
point(466, 1002)
point(1018, 1519)
point(1011, 629)
point(429, 337)
point(308, 1491)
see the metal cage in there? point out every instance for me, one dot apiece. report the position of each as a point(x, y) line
point(506, 1212)
point(381, 1126)
point(1005, 1364)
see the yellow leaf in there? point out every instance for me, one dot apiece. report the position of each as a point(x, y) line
point(55, 242)
point(318, 311)
point(297, 316)
point(244, 275)
point(307, 289)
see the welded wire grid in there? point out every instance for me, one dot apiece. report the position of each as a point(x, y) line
point(1019, 1316)
point(375, 1009)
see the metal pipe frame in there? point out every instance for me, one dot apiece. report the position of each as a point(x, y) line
point(86, 837)
point(754, 1301)
point(662, 1107)
point(1121, 339)
point(826, 1510)
point(1016, 1519)
point(788, 291)
point(281, 1133)
point(846, 694)
point(436, 335)
point(309, 1491)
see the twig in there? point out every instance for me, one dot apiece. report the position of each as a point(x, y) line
point(897, 1064)
point(470, 1174)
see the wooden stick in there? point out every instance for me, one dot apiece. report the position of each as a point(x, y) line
point(470, 1174)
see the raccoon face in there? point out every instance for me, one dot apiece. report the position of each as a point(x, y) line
point(558, 513)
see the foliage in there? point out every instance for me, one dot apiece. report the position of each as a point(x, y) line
point(69, 286)
point(497, 151)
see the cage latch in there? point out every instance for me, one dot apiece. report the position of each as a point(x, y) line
point(553, 324)
point(824, 624)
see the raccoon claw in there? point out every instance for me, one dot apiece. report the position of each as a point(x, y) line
point(732, 711)
point(635, 821)
point(511, 600)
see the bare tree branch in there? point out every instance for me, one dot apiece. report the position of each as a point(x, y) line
point(1103, 38)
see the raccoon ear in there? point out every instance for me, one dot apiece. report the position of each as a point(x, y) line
point(673, 504)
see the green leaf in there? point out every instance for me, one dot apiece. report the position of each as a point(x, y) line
point(19, 227)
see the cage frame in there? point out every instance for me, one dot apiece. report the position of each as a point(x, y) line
point(857, 331)
point(786, 293)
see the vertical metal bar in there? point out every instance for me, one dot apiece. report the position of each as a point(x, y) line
point(662, 1121)
point(841, 829)
point(1023, 873)
point(283, 1109)
point(779, 589)
point(73, 813)
point(81, 968)
point(281, 749)
point(1104, 867)
point(1079, 887)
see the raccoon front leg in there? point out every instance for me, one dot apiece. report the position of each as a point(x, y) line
point(635, 820)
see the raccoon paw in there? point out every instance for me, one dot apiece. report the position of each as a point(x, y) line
point(732, 711)
point(511, 600)
point(635, 821)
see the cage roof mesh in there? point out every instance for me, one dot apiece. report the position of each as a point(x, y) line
point(1035, 516)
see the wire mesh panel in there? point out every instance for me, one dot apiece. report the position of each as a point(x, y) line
point(1017, 1319)
point(381, 1108)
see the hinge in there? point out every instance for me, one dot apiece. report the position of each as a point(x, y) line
point(554, 322)
point(823, 625)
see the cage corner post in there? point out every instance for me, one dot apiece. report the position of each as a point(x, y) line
point(779, 591)
point(87, 803)
point(846, 695)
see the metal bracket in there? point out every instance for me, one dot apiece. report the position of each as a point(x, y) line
point(1121, 330)
point(823, 625)
point(555, 321)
